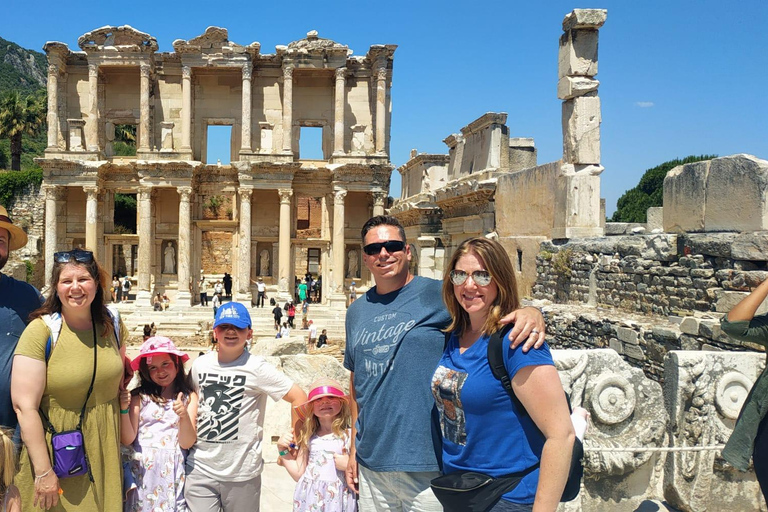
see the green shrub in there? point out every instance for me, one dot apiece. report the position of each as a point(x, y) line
point(13, 183)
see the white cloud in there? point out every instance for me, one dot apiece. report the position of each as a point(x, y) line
point(644, 104)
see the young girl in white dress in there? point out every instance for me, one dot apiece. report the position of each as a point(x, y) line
point(318, 458)
point(9, 494)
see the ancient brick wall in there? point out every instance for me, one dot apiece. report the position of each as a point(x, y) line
point(28, 211)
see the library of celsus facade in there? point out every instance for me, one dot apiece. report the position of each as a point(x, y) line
point(270, 213)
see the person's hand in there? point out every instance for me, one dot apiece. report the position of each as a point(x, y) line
point(341, 460)
point(46, 490)
point(529, 328)
point(286, 444)
point(125, 399)
point(351, 474)
point(179, 407)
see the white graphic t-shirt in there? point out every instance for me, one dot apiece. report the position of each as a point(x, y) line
point(230, 416)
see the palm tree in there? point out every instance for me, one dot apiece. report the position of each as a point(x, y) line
point(20, 116)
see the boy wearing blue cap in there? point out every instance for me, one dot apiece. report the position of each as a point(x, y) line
point(224, 466)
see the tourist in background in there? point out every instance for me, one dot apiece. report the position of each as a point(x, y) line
point(319, 457)
point(17, 300)
point(115, 288)
point(750, 435)
point(304, 315)
point(291, 314)
point(54, 380)
point(224, 465)
point(126, 288)
point(218, 288)
point(352, 293)
point(285, 331)
point(323, 339)
point(216, 302)
point(157, 302)
point(228, 285)
point(478, 291)
point(203, 286)
point(261, 288)
point(312, 336)
point(303, 291)
point(157, 420)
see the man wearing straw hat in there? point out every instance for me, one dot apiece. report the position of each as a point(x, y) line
point(17, 300)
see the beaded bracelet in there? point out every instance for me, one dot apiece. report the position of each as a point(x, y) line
point(39, 477)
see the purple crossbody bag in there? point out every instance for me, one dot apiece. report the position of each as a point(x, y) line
point(69, 457)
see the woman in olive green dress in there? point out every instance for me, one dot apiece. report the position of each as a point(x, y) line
point(59, 387)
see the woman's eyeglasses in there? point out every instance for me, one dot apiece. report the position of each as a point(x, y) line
point(78, 255)
point(480, 277)
point(391, 246)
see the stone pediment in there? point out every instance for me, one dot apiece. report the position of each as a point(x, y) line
point(314, 44)
point(214, 40)
point(123, 38)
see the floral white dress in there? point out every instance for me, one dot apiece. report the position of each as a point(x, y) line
point(322, 487)
point(156, 462)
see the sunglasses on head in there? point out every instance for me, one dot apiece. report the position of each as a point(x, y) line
point(78, 255)
point(479, 277)
point(391, 246)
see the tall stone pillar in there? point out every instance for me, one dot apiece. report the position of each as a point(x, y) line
point(91, 218)
point(144, 114)
point(146, 244)
point(288, 109)
point(186, 109)
point(243, 282)
point(284, 245)
point(379, 198)
point(53, 107)
point(339, 101)
point(245, 145)
point(92, 126)
point(184, 294)
point(52, 196)
point(577, 200)
point(381, 110)
point(337, 296)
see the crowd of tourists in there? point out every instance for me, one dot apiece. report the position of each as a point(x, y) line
point(456, 364)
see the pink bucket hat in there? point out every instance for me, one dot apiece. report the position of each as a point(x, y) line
point(319, 389)
point(154, 346)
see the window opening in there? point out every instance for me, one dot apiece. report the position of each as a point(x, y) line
point(125, 214)
point(519, 260)
point(125, 140)
point(218, 145)
point(311, 143)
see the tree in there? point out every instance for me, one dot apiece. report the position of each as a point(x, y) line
point(20, 116)
point(633, 205)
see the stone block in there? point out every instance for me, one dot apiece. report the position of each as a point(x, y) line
point(616, 345)
point(584, 19)
point(690, 325)
point(569, 87)
point(627, 335)
point(750, 246)
point(627, 409)
point(737, 194)
point(634, 352)
point(581, 120)
point(710, 244)
point(704, 392)
point(526, 208)
point(725, 301)
point(660, 247)
point(577, 206)
point(578, 53)
point(655, 218)
point(685, 195)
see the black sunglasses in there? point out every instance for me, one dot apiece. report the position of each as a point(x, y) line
point(78, 255)
point(480, 277)
point(391, 246)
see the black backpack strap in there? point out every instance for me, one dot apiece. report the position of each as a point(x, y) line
point(496, 346)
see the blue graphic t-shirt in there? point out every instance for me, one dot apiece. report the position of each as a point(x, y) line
point(393, 345)
point(17, 300)
point(480, 425)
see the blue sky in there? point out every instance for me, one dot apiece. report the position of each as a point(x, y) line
point(678, 77)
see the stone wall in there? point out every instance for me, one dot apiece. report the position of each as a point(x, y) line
point(217, 252)
point(28, 211)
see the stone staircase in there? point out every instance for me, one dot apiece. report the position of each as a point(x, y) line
point(187, 323)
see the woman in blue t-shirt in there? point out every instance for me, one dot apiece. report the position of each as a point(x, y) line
point(481, 428)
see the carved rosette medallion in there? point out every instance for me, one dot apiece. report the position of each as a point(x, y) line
point(613, 399)
point(732, 390)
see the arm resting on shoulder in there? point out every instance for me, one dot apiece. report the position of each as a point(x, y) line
point(526, 319)
point(188, 423)
point(295, 396)
point(540, 392)
point(351, 472)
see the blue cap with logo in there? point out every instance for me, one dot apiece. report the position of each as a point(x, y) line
point(233, 313)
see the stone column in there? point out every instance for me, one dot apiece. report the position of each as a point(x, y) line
point(243, 282)
point(92, 126)
point(379, 198)
point(184, 276)
point(186, 109)
point(144, 108)
point(91, 217)
point(53, 107)
point(381, 110)
point(337, 295)
point(339, 101)
point(52, 195)
point(245, 145)
point(146, 244)
point(288, 109)
point(284, 245)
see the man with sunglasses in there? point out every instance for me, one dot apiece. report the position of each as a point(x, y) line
point(17, 300)
point(394, 342)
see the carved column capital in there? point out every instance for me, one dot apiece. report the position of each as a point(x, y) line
point(285, 195)
point(53, 70)
point(288, 72)
point(92, 191)
point(381, 73)
point(185, 193)
point(341, 73)
point(144, 69)
point(339, 195)
point(93, 70)
point(245, 193)
point(144, 193)
point(53, 192)
point(247, 71)
point(379, 198)
point(186, 72)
